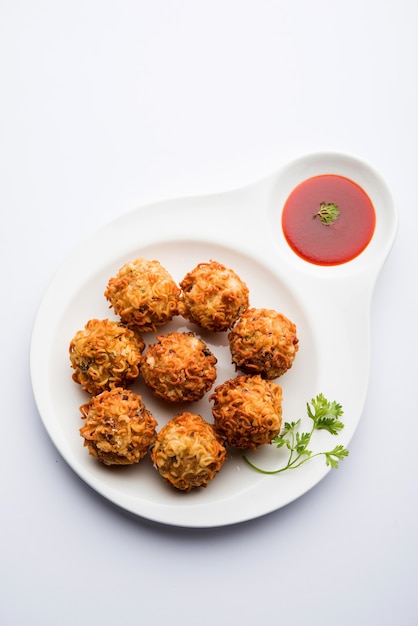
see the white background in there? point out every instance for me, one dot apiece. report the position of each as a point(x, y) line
point(107, 105)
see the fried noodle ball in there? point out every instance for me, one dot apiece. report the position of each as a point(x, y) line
point(104, 355)
point(188, 452)
point(118, 430)
point(263, 342)
point(213, 296)
point(143, 294)
point(247, 411)
point(179, 367)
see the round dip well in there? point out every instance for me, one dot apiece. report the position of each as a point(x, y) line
point(328, 243)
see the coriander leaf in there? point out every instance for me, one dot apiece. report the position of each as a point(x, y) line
point(286, 437)
point(325, 416)
point(328, 213)
point(302, 440)
point(290, 427)
point(322, 406)
point(338, 454)
point(329, 423)
point(281, 441)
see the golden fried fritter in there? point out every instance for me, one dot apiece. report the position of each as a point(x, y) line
point(143, 294)
point(264, 342)
point(213, 296)
point(118, 430)
point(105, 354)
point(187, 452)
point(179, 367)
point(247, 411)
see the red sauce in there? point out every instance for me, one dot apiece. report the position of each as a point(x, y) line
point(335, 243)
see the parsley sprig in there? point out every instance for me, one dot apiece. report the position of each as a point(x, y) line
point(325, 415)
point(328, 213)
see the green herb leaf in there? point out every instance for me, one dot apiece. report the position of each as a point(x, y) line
point(290, 427)
point(281, 441)
point(329, 423)
point(338, 454)
point(302, 440)
point(325, 416)
point(328, 213)
point(322, 408)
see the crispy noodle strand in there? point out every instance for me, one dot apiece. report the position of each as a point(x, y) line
point(213, 296)
point(179, 367)
point(263, 341)
point(247, 411)
point(187, 452)
point(104, 355)
point(143, 294)
point(118, 430)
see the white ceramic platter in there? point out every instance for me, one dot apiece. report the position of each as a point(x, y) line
point(242, 229)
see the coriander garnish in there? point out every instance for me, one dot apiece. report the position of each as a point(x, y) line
point(325, 416)
point(328, 212)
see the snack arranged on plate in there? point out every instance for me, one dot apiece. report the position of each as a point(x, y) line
point(188, 452)
point(104, 355)
point(119, 429)
point(179, 367)
point(213, 296)
point(264, 342)
point(143, 294)
point(247, 411)
point(176, 367)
